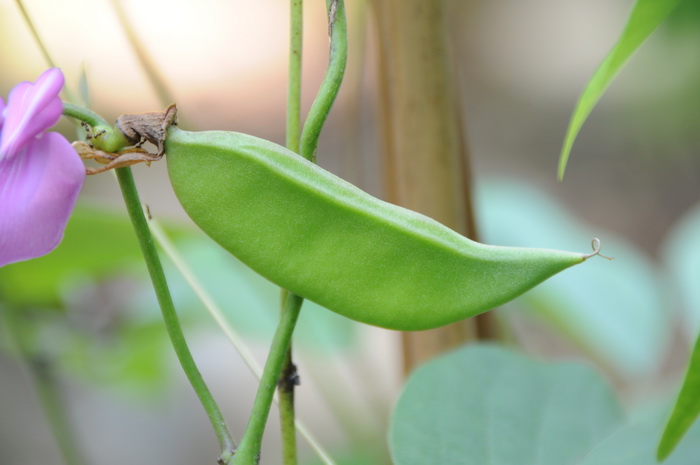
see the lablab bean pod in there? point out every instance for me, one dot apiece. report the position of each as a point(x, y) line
point(322, 238)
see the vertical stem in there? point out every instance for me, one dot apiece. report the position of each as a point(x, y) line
point(54, 407)
point(294, 84)
point(289, 378)
point(248, 452)
point(52, 403)
point(337, 59)
point(172, 324)
point(286, 383)
point(351, 122)
point(218, 316)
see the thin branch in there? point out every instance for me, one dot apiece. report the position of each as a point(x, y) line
point(172, 323)
point(47, 389)
point(338, 57)
point(289, 378)
point(294, 79)
point(248, 452)
point(165, 96)
point(218, 315)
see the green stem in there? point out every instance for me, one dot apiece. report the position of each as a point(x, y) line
point(294, 84)
point(107, 138)
point(218, 316)
point(288, 378)
point(54, 408)
point(52, 403)
point(338, 57)
point(83, 114)
point(172, 324)
point(285, 394)
point(248, 452)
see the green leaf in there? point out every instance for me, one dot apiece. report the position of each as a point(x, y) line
point(646, 16)
point(681, 254)
point(358, 456)
point(687, 407)
point(681, 251)
point(133, 360)
point(686, 18)
point(486, 404)
point(634, 443)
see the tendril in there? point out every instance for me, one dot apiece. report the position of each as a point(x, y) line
point(596, 245)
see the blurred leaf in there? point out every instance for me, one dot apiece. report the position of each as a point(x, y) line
point(84, 87)
point(96, 242)
point(645, 17)
point(687, 407)
point(96, 338)
point(612, 309)
point(635, 443)
point(128, 355)
point(356, 457)
point(681, 254)
point(686, 17)
point(132, 360)
point(486, 404)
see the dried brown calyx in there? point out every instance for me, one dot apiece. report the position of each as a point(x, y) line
point(137, 128)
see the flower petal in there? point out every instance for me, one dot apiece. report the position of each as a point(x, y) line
point(38, 190)
point(31, 109)
point(2, 113)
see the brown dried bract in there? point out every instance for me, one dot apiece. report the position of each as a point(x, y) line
point(138, 128)
point(110, 161)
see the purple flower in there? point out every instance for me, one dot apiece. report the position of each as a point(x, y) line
point(40, 173)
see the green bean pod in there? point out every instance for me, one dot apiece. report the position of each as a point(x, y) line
point(322, 238)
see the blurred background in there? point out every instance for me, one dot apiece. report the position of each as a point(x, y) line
point(632, 181)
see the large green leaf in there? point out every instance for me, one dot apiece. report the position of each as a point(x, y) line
point(644, 19)
point(488, 405)
point(634, 443)
point(687, 407)
point(681, 252)
point(613, 310)
point(686, 17)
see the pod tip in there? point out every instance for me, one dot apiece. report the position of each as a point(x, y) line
point(596, 245)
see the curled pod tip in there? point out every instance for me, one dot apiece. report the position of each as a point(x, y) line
point(597, 246)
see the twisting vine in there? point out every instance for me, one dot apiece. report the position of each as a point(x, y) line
point(249, 449)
